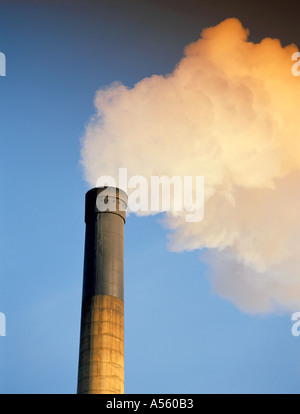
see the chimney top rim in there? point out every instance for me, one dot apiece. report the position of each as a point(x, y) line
point(109, 191)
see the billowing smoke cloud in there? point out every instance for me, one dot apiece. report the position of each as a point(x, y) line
point(228, 112)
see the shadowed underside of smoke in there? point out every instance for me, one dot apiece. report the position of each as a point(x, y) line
point(228, 112)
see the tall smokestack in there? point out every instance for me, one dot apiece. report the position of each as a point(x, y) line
point(101, 355)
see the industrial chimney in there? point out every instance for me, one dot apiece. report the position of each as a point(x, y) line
point(101, 355)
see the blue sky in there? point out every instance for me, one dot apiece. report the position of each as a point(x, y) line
point(180, 337)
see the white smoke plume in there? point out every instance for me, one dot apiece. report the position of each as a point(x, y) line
point(229, 112)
